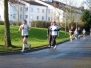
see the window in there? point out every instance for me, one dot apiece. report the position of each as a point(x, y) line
point(14, 8)
point(42, 10)
point(37, 17)
point(31, 17)
point(37, 9)
point(20, 16)
point(26, 16)
point(26, 9)
point(48, 18)
point(48, 10)
point(51, 18)
point(42, 17)
point(14, 16)
point(20, 8)
point(31, 9)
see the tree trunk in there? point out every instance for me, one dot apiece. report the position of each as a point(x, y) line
point(7, 25)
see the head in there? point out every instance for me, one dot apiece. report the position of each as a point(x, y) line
point(24, 22)
point(78, 28)
point(54, 23)
point(51, 23)
point(71, 27)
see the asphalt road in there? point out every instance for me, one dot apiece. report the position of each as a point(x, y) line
point(67, 55)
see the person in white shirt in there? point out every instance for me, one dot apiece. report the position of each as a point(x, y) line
point(55, 30)
point(76, 33)
point(84, 32)
point(24, 32)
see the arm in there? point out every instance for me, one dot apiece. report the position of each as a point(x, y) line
point(58, 28)
point(19, 28)
point(28, 28)
point(48, 31)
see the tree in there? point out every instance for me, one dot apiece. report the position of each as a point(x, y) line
point(86, 18)
point(87, 3)
point(7, 25)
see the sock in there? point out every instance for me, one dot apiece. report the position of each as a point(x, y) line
point(23, 47)
point(28, 45)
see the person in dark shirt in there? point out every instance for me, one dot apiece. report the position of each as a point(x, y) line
point(49, 34)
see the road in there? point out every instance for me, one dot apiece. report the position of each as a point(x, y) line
point(67, 55)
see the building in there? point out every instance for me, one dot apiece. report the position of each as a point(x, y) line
point(64, 12)
point(29, 10)
point(45, 10)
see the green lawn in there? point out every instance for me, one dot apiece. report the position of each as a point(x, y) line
point(37, 37)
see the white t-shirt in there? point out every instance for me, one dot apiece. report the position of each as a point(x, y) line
point(24, 29)
point(76, 32)
point(53, 28)
point(84, 31)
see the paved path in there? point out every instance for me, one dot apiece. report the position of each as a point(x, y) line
point(67, 55)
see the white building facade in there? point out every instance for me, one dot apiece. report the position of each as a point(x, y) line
point(29, 10)
point(34, 10)
point(55, 13)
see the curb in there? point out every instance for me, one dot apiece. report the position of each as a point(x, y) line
point(27, 50)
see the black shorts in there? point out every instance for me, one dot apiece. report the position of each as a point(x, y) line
point(26, 36)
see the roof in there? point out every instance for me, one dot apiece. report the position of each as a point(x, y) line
point(15, 2)
point(34, 3)
point(62, 6)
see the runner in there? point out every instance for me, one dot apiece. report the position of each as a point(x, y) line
point(24, 32)
point(79, 32)
point(49, 34)
point(71, 32)
point(76, 33)
point(55, 30)
point(84, 32)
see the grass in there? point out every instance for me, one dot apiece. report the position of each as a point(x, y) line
point(37, 37)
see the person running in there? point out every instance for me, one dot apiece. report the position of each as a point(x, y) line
point(84, 32)
point(71, 32)
point(79, 32)
point(49, 34)
point(55, 30)
point(24, 32)
point(76, 33)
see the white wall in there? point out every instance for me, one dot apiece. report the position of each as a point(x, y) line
point(16, 12)
point(54, 12)
point(2, 10)
point(32, 15)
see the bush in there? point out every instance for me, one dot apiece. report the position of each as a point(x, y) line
point(11, 23)
point(40, 24)
point(1, 22)
point(18, 23)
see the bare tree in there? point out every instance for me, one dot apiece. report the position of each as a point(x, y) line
point(87, 3)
